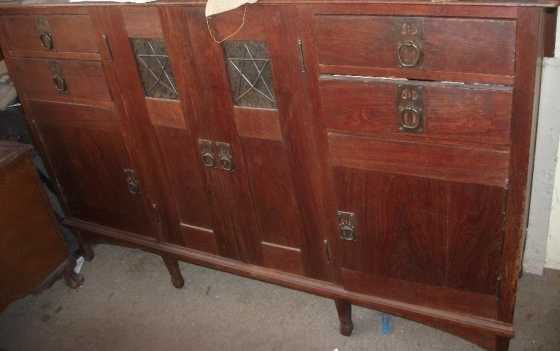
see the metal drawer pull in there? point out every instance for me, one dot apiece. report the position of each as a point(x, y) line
point(410, 108)
point(411, 119)
point(59, 83)
point(346, 225)
point(206, 149)
point(225, 157)
point(46, 40)
point(409, 45)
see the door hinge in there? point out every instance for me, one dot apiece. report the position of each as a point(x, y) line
point(107, 45)
point(328, 251)
point(346, 225)
point(301, 55)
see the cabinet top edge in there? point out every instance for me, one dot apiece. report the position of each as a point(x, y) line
point(66, 3)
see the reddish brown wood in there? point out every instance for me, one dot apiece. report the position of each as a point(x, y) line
point(199, 238)
point(440, 214)
point(284, 258)
point(257, 123)
point(70, 33)
point(344, 310)
point(165, 113)
point(447, 44)
point(32, 250)
point(85, 81)
point(172, 266)
point(454, 112)
point(142, 22)
point(94, 187)
point(446, 162)
point(550, 16)
point(525, 106)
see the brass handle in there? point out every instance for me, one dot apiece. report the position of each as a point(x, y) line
point(225, 156)
point(408, 45)
point(208, 160)
point(411, 119)
point(59, 83)
point(46, 40)
point(207, 152)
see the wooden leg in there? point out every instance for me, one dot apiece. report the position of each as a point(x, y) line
point(71, 278)
point(344, 309)
point(86, 248)
point(173, 267)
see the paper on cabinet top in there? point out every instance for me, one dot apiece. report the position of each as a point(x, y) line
point(214, 7)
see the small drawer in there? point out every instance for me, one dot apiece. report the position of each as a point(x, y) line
point(49, 33)
point(413, 110)
point(454, 49)
point(64, 80)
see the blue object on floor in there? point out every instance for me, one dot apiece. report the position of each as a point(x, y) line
point(385, 323)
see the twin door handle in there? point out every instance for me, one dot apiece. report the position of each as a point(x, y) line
point(216, 154)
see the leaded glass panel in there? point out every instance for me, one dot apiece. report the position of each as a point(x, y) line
point(154, 67)
point(250, 73)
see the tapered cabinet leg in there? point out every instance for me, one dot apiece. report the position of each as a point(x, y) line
point(173, 267)
point(344, 309)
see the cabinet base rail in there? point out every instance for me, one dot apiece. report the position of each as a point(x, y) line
point(485, 332)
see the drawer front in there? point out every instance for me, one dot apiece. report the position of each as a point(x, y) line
point(56, 33)
point(445, 162)
point(64, 80)
point(403, 45)
point(469, 114)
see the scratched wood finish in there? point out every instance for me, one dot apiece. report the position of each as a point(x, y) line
point(70, 33)
point(465, 114)
point(481, 46)
point(94, 187)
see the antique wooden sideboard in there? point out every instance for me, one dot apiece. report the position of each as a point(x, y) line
point(374, 152)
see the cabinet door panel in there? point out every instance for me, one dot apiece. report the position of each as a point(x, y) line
point(259, 86)
point(422, 230)
point(85, 147)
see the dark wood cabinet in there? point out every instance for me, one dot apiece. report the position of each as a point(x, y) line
point(376, 153)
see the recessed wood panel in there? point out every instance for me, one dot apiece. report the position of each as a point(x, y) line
point(455, 45)
point(284, 258)
point(455, 112)
point(70, 33)
point(86, 149)
point(199, 238)
point(85, 80)
point(257, 123)
point(446, 162)
point(186, 178)
point(142, 22)
point(422, 230)
point(270, 179)
point(165, 113)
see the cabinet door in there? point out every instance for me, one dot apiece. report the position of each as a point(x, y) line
point(87, 153)
point(157, 79)
point(251, 96)
point(420, 211)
